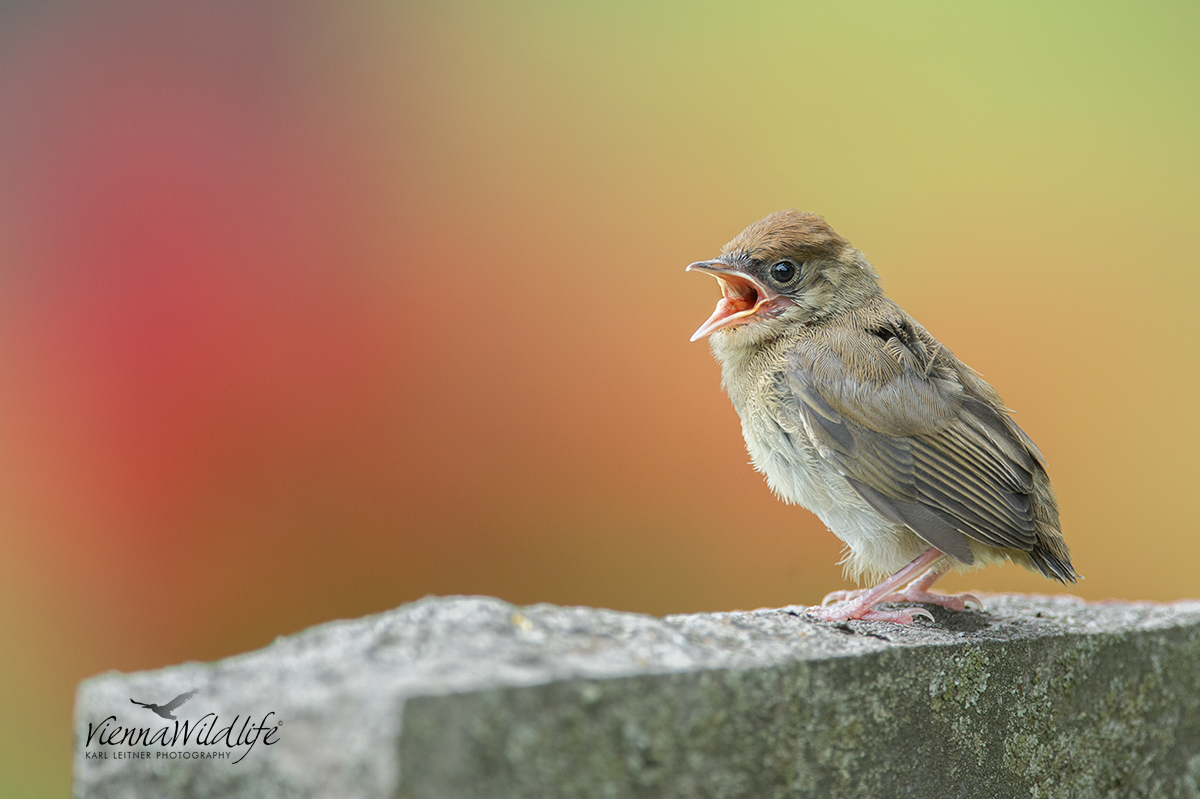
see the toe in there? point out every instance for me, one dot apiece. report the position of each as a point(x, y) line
point(841, 596)
point(836, 596)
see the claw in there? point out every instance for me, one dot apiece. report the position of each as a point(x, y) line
point(921, 612)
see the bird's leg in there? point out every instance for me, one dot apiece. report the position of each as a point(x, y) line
point(926, 567)
point(918, 591)
point(896, 579)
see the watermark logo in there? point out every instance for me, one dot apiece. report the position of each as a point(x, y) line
point(165, 710)
point(205, 738)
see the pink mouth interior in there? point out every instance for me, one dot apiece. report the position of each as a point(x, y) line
point(738, 296)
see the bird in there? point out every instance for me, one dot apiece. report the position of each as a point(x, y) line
point(166, 711)
point(851, 409)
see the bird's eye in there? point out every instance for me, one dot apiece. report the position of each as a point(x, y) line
point(783, 271)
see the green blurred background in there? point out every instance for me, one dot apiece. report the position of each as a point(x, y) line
point(310, 309)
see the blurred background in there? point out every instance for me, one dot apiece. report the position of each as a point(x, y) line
point(308, 310)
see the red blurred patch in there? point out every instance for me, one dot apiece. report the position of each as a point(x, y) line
point(191, 305)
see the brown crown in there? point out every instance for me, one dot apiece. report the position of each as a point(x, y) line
point(788, 233)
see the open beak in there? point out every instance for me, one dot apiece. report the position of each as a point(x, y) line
point(741, 297)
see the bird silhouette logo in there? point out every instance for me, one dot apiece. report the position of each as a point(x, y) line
point(166, 710)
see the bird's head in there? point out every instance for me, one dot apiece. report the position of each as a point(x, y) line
point(787, 268)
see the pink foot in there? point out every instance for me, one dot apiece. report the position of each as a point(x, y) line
point(851, 611)
point(861, 604)
point(947, 601)
point(910, 594)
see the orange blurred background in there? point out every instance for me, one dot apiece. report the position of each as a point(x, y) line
point(310, 309)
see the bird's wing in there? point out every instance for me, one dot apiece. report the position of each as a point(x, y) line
point(887, 406)
point(179, 700)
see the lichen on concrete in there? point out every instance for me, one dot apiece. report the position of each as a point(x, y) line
point(472, 697)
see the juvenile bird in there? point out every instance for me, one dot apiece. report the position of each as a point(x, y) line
point(851, 409)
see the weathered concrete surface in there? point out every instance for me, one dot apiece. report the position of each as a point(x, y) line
point(472, 697)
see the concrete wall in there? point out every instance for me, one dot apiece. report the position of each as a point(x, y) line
point(473, 697)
